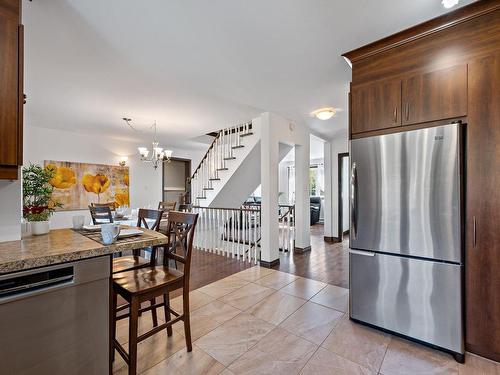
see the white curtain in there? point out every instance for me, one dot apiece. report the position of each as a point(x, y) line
point(291, 184)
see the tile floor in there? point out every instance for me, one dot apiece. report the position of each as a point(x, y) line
point(262, 321)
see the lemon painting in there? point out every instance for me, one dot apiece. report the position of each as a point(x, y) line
point(77, 185)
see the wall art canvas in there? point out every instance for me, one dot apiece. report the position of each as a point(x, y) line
point(77, 185)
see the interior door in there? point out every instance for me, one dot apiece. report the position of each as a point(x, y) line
point(436, 95)
point(176, 184)
point(483, 209)
point(376, 106)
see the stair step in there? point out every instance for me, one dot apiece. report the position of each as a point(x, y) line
point(201, 197)
point(222, 169)
point(208, 188)
point(214, 179)
point(231, 158)
point(239, 146)
point(246, 134)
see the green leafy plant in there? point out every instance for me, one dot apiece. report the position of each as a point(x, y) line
point(38, 204)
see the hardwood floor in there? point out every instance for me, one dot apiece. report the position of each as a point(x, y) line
point(326, 262)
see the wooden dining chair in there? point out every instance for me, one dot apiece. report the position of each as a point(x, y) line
point(184, 207)
point(101, 214)
point(111, 205)
point(143, 284)
point(166, 206)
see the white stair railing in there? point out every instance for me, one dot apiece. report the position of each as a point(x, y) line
point(214, 163)
point(236, 232)
point(233, 232)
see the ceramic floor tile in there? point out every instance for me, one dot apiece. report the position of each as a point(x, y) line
point(254, 273)
point(475, 365)
point(357, 343)
point(303, 288)
point(196, 362)
point(247, 296)
point(207, 318)
point(405, 357)
point(280, 352)
point(151, 351)
point(145, 324)
point(324, 362)
point(233, 338)
point(334, 297)
point(277, 307)
point(224, 286)
point(277, 280)
point(197, 299)
point(312, 321)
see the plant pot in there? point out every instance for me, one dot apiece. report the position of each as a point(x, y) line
point(39, 227)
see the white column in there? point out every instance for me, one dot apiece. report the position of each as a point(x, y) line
point(328, 214)
point(269, 149)
point(302, 201)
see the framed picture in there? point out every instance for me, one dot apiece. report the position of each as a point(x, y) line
point(77, 185)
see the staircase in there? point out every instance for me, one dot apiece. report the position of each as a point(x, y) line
point(229, 149)
point(230, 170)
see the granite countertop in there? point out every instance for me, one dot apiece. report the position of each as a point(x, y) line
point(64, 245)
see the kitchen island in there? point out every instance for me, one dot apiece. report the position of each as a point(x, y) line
point(55, 302)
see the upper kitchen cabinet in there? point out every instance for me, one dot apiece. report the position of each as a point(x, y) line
point(11, 89)
point(375, 106)
point(436, 95)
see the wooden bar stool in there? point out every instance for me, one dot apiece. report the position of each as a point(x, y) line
point(147, 283)
point(130, 262)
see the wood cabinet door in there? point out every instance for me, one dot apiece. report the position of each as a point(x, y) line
point(482, 281)
point(435, 95)
point(376, 106)
point(9, 86)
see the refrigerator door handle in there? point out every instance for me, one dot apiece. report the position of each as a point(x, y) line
point(364, 253)
point(354, 186)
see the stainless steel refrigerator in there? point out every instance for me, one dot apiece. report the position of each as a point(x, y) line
point(406, 258)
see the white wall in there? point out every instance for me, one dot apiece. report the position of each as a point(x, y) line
point(276, 130)
point(10, 212)
point(331, 150)
point(145, 182)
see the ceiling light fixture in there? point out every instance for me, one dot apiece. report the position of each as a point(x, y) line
point(324, 113)
point(449, 3)
point(157, 155)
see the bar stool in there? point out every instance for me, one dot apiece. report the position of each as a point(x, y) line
point(147, 283)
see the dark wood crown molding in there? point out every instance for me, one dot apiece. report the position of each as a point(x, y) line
point(421, 30)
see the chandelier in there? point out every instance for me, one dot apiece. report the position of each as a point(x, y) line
point(157, 154)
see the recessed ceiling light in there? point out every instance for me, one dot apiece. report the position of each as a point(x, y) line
point(324, 113)
point(449, 3)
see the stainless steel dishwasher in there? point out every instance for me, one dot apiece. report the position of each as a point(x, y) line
point(54, 320)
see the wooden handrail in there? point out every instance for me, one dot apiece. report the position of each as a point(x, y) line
point(206, 153)
point(215, 139)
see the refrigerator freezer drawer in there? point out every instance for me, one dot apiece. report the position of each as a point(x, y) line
point(416, 298)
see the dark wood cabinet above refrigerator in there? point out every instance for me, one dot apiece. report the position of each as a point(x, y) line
point(448, 70)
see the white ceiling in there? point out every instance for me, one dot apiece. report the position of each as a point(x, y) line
point(197, 66)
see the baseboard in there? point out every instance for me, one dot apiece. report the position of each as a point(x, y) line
point(331, 239)
point(301, 250)
point(271, 264)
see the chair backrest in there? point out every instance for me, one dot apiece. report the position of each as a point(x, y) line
point(181, 226)
point(111, 205)
point(144, 214)
point(167, 205)
point(101, 214)
point(185, 207)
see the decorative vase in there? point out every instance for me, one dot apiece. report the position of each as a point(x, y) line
point(39, 227)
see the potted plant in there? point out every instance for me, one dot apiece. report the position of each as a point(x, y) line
point(38, 205)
